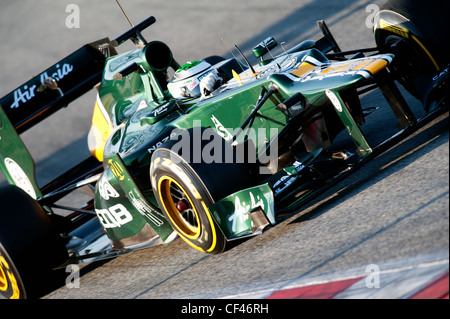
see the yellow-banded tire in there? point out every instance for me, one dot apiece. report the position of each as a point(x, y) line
point(194, 224)
point(418, 35)
point(429, 27)
point(30, 247)
point(11, 286)
point(184, 190)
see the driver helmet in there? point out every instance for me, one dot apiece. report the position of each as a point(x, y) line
point(186, 80)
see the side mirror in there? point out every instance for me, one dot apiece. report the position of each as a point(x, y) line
point(264, 47)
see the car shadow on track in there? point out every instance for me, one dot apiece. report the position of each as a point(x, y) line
point(393, 160)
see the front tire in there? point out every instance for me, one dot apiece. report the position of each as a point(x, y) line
point(176, 186)
point(417, 33)
point(184, 189)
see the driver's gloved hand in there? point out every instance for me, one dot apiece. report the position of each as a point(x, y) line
point(210, 83)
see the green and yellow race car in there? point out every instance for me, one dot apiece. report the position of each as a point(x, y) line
point(210, 150)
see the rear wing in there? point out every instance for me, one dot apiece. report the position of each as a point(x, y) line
point(57, 86)
point(65, 81)
point(40, 97)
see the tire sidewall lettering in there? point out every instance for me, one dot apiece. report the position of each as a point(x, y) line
point(162, 167)
point(12, 290)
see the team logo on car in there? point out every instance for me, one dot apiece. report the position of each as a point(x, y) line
point(105, 189)
point(24, 94)
point(116, 169)
point(19, 177)
point(114, 216)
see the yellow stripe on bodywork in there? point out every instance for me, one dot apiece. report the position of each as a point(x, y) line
point(99, 133)
point(372, 65)
point(303, 69)
point(375, 65)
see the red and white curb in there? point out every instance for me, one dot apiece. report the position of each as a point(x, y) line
point(424, 281)
point(427, 280)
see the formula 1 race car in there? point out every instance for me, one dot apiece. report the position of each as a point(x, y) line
point(210, 151)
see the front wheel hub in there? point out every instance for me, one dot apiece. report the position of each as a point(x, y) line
point(183, 205)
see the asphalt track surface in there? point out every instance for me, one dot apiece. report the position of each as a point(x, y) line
point(393, 211)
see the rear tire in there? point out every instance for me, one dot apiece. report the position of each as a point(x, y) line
point(30, 247)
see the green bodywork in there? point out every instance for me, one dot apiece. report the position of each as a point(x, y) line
point(143, 115)
point(232, 212)
point(140, 105)
point(15, 161)
point(123, 204)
